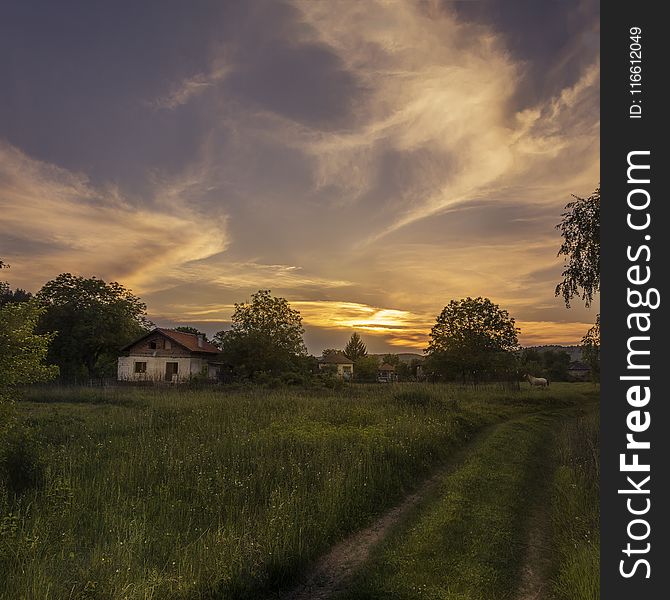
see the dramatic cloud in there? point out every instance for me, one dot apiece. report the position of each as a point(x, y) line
point(367, 161)
point(58, 222)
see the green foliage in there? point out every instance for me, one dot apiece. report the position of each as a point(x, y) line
point(591, 349)
point(407, 371)
point(331, 352)
point(473, 338)
point(92, 320)
point(266, 336)
point(365, 368)
point(551, 364)
point(22, 351)
point(391, 359)
point(580, 229)
point(7, 295)
point(355, 348)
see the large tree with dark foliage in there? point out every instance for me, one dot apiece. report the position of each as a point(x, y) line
point(355, 348)
point(92, 320)
point(591, 349)
point(7, 295)
point(580, 229)
point(473, 339)
point(265, 337)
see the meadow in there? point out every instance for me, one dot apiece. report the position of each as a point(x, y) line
point(232, 492)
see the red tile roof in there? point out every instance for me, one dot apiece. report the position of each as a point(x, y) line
point(189, 341)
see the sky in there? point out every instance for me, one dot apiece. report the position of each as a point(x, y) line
point(368, 161)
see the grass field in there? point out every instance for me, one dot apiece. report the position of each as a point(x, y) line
point(575, 511)
point(466, 542)
point(162, 493)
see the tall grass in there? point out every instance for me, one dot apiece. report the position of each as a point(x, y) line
point(174, 493)
point(197, 494)
point(575, 511)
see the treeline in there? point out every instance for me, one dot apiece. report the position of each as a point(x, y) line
point(82, 323)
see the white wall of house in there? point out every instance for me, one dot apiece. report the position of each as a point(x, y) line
point(156, 367)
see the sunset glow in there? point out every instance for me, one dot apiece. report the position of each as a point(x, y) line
point(367, 161)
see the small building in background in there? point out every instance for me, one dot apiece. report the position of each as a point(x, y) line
point(579, 371)
point(168, 355)
point(386, 373)
point(339, 364)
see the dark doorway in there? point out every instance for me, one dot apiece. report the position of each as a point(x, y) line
point(171, 368)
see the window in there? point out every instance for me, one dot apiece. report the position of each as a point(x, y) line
point(153, 344)
point(168, 344)
point(140, 367)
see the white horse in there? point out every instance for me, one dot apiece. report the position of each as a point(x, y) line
point(537, 381)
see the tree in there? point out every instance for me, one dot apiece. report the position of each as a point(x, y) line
point(265, 336)
point(591, 349)
point(472, 337)
point(365, 368)
point(580, 229)
point(391, 359)
point(556, 364)
point(531, 362)
point(189, 329)
point(92, 320)
point(7, 295)
point(355, 348)
point(331, 352)
point(22, 351)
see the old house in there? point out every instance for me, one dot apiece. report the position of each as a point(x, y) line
point(340, 364)
point(386, 373)
point(168, 355)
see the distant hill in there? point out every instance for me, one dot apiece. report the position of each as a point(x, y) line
point(575, 352)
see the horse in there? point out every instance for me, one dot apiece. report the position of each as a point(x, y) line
point(537, 381)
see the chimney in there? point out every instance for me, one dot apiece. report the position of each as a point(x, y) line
point(201, 340)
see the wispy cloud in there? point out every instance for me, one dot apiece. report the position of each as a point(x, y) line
point(368, 161)
point(191, 87)
point(90, 230)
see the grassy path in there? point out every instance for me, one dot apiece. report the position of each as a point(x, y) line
point(332, 572)
point(465, 537)
point(537, 560)
point(464, 534)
